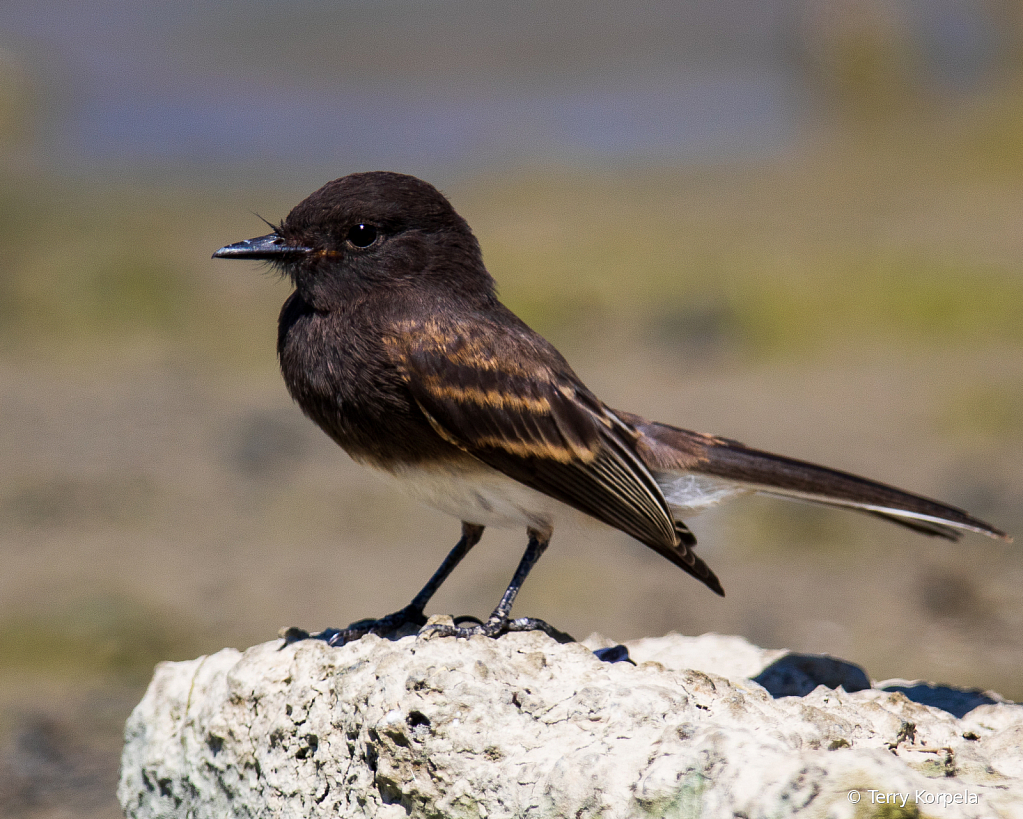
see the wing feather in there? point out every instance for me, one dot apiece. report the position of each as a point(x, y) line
point(503, 395)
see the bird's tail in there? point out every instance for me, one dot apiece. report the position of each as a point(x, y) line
point(709, 468)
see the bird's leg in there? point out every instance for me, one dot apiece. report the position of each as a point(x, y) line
point(412, 613)
point(471, 534)
point(499, 622)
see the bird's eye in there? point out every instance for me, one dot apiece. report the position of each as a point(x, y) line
point(362, 235)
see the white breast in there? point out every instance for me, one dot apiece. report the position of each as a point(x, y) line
point(476, 493)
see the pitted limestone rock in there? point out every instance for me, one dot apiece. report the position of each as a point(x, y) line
point(525, 726)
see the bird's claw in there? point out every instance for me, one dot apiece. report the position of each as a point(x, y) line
point(388, 626)
point(382, 627)
point(494, 627)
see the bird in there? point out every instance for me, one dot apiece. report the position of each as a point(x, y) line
point(394, 342)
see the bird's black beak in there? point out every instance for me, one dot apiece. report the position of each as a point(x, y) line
point(269, 248)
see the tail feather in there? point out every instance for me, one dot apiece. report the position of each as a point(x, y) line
point(668, 448)
point(923, 527)
point(933, 529)
point(777, 474)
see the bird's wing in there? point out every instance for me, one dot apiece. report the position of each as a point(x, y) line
point(667, 449)
point(505, 396)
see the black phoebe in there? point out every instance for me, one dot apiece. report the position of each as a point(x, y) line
point(394, 342)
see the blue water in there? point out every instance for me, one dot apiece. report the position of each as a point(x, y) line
point(336, 86)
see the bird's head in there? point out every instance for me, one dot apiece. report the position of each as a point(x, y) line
point(371, 231)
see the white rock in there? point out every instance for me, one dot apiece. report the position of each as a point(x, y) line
point(526, 727)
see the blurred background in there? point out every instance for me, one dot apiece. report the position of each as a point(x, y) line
point(797, 224)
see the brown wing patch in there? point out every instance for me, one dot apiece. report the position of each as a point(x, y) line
point(486, 398)
point(505, 396)
point(462, 348)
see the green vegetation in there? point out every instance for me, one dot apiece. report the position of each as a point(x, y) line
point(873, 239)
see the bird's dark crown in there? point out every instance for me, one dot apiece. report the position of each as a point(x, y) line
point(379, 229)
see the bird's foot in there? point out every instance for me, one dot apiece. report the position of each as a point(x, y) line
point(382, 627)
point(495, 626)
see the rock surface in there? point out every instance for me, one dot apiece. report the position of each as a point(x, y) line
point(524, 726)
